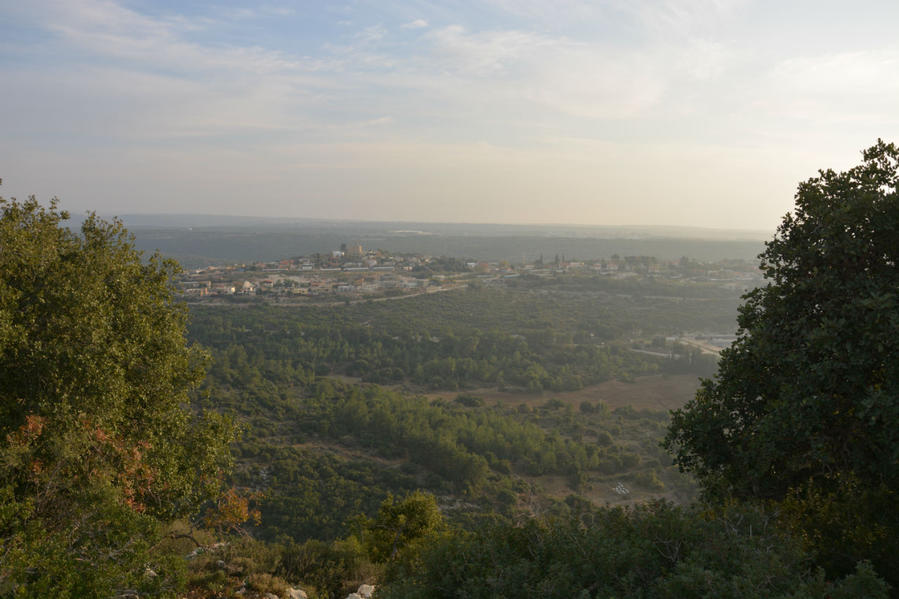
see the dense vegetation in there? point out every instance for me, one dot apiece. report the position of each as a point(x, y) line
point(326, 452)
point(523, 337)
point(654, 550)
point(98, 447)
point(304, 430)
point(805, 406)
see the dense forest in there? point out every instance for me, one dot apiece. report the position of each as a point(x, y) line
point(535, 335)
point(274, 368)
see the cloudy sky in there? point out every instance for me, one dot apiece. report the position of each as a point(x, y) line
point(660, 112)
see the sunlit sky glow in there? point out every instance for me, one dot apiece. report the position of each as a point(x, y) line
point(660, 112)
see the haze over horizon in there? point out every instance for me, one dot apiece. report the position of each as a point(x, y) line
point(185, 219)
point(702, 113)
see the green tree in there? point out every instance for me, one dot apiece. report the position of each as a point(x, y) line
point(804, 408)
point(399, 523)
point(650, 550)
point(98, 443)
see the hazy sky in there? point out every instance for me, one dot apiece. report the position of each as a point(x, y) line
point(667, 112)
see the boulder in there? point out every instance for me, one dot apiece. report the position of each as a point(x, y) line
point(296, 594)
point(365, 591)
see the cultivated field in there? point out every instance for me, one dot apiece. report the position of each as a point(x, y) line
point(656, 392)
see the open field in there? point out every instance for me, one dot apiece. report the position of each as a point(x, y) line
point(656, 392)
point(607, 490)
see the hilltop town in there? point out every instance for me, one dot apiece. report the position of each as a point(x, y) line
point(355, 273)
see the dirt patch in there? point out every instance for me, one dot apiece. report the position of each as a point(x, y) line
point(345, 452)
point(349, 380)
point(658, 392)
point(601, 490)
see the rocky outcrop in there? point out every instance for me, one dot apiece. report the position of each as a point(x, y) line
point(365, 591)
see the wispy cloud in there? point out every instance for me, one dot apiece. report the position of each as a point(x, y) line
point(416, 24)
point(113, 32)
point(672, 20)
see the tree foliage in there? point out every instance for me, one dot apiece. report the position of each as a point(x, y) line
point(98, 444)
point(512, 339)
point(651, 550)
point(401, 522)
point(805, 404)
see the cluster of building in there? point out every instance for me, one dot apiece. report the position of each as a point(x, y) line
point(350, 271)
point(736, 274)
point(353, 271)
